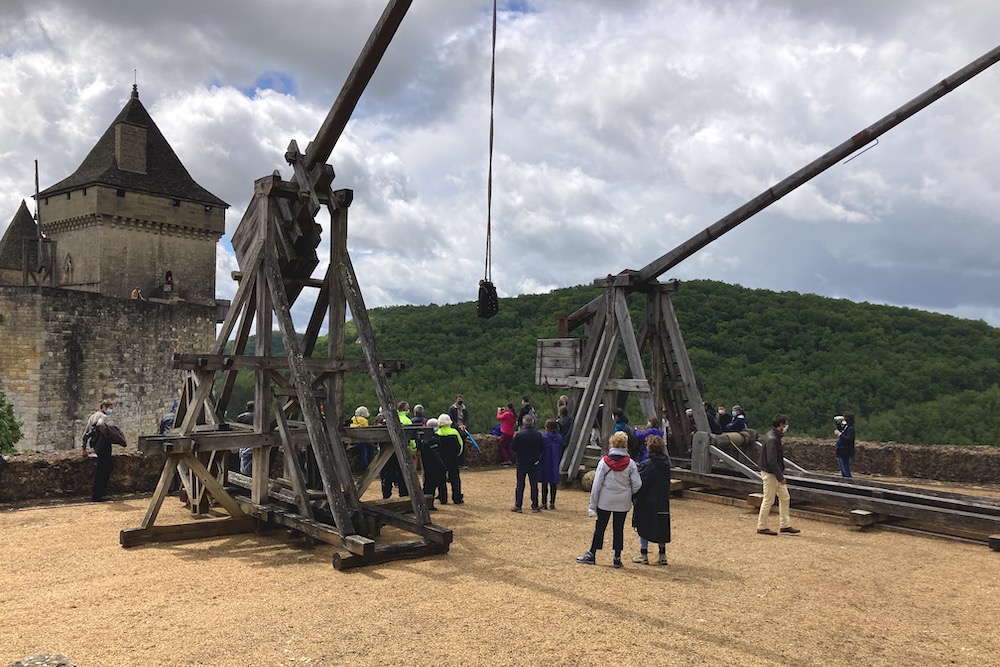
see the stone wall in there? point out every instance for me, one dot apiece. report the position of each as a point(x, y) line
point(946, 463)
point(68, 475)
point(62, 351)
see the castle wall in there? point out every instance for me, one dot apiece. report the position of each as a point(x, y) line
point(62, 351)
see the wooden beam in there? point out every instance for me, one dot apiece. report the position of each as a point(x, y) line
point(240, 362)
point(385, 553)
point(383, 391)
point(131, 537)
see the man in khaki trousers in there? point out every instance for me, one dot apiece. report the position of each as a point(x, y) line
point(772, 468)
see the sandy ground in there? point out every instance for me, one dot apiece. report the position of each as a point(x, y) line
point(508, 593)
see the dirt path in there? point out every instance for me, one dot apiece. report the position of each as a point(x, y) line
point(508, 593)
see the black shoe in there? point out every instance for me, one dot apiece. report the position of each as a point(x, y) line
point(766, 531)
point(617, 563)
point(586, 559)
point(515, 509)
point(791, 531)
point(443, 501)
point(432, 508)
point(458, 502)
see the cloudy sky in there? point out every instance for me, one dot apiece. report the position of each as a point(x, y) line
point(623, 127)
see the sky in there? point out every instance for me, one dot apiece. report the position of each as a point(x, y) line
point(622, 129)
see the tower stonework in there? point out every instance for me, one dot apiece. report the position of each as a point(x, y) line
point(129, 217)
point(131, 213)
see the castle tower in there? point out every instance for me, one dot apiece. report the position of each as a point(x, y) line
point(130, 214)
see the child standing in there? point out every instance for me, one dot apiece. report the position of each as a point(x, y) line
point(548, 472)
point(616, 480)
point(651, 517)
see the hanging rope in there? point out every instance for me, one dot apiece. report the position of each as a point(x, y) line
point(488, 302)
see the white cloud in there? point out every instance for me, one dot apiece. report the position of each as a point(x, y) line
point(622, 129)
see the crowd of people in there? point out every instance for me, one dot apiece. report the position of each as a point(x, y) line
point(634, 474)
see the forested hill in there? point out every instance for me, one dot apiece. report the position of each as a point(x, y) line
point(910, 376)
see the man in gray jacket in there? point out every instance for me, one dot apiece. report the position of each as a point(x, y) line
point(772, 468)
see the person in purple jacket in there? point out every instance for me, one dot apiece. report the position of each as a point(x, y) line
point(548, 471)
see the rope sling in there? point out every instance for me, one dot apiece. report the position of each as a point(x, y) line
point(488, 304)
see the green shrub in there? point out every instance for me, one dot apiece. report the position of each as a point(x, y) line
point(10, 428)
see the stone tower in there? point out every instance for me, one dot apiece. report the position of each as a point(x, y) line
point(126, 217)
point(130, 214)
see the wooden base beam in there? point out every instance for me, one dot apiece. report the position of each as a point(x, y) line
point(132, 537)
point(389, 552)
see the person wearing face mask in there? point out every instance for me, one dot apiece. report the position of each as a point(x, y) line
point(100, 433)
point(738, 422)
point(772, 467)
point(459, 414)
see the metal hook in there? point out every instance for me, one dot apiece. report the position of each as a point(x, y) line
point(867, 148)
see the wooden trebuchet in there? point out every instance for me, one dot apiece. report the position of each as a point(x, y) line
point(298, 398)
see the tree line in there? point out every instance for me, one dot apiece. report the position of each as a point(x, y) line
point(909, 376)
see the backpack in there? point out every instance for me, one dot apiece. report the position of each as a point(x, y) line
point(634, 444)
point(533, 415)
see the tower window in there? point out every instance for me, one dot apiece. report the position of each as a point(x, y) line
point(120, 193)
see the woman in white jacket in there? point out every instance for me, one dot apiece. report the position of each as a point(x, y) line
point(616, 479)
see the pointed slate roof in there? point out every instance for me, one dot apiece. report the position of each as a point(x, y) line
point(11, 248)
point(165, 175)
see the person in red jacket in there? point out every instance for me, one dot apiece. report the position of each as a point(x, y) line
point(507, 419)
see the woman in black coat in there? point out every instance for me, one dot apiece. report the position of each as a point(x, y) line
point(651, 504)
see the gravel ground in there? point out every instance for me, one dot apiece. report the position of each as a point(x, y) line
point(508, 593)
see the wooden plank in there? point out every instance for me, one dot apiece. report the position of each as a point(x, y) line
point(317, 530)
point(364, 67)
point(966, 520)
point(302, 379)
point(160, 493)
point(994, 542)
point(131, 537)
point(411, 524)
point(385, 553)
point(243, 362)
point(635, 365)
point(292, 467)
point(613, 384)
point(339, 202)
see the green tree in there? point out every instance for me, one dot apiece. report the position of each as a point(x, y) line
point(10, 428)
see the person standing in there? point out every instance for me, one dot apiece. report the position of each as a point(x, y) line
point(845, 443)
point(548, 470)
point(100, 433)
point(365, 450)
point(435, 473)
point(651, 516)
point(507, 419)
point(565, 424)
point(167, 422)
point(772, 468)
point(527, 446)
point(652, 429)
point(615, 482)
point(451, 446)
point(392, 471)
point(246, 453)
point(526, 409)
point(459, 414)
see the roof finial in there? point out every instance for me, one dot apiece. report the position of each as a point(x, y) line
point(135, 84)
